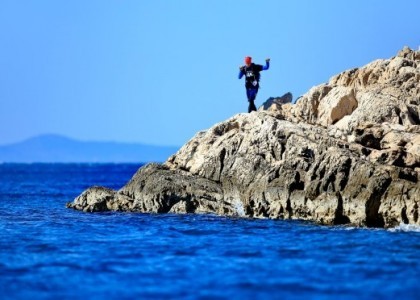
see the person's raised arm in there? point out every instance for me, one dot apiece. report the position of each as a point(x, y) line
point(267, 64)
point(241, 72)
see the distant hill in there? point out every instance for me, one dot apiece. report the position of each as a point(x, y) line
point(56, 148)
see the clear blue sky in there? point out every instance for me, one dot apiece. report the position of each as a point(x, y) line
point(158, 71)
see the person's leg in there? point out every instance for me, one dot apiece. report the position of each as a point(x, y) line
point(251, 94)
point(251, 106)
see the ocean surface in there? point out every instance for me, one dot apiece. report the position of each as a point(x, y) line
point(50, 252)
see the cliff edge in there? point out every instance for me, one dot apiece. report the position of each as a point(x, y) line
point(348, 152)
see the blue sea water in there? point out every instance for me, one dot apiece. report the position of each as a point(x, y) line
point(48, 251)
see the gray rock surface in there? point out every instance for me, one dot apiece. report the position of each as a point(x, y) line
point(348, 152)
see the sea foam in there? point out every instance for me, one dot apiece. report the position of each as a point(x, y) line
point(405, 228)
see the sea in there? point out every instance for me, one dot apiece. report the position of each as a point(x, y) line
point(48, 251)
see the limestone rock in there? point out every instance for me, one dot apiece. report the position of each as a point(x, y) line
point(155, 188)
point(382, 91)
point(348, 152)
point(277, 101)
point(97, 199)
point(338, 103)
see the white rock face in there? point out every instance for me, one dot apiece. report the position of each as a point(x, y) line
point(348, 152)
point(382, 91)
point(338, 103)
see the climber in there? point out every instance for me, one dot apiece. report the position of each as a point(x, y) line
point(252, 79)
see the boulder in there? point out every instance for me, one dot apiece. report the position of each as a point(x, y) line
point(277, 101)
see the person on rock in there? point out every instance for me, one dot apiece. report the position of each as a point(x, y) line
point(252, 79)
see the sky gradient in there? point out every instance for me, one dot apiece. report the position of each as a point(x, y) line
point(157, 72)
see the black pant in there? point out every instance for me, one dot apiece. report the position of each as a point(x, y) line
point(251, 106)
point(251, 93)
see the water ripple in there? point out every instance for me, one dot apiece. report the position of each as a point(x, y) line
point(48, 251)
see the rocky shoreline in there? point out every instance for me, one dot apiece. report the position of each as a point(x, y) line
point(348, 152)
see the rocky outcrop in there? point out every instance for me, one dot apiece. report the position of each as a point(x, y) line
point(277, 102)
point(348, 152)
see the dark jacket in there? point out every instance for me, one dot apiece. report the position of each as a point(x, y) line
point(252, 74)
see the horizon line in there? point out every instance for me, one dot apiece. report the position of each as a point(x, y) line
point(83, 141)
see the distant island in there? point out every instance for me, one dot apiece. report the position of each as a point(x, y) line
point(60, 149)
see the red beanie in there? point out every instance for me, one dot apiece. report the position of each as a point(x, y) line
point(248, 60)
